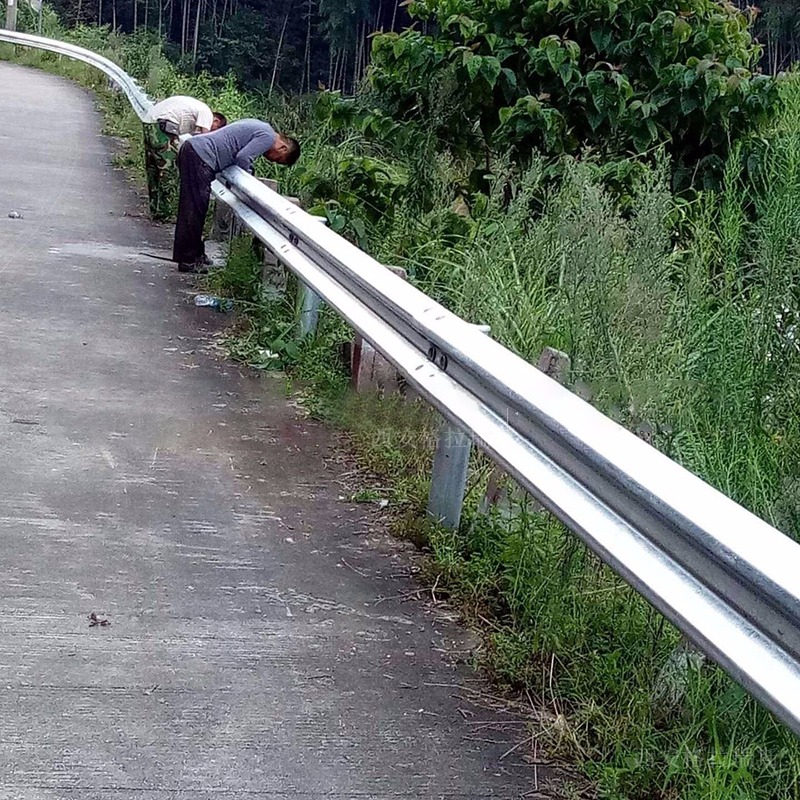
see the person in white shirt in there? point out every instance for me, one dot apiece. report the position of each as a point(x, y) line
point(180, 115)
point(170, 122)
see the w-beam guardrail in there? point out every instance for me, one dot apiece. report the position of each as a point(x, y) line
point(728, 580)
point(138, 99)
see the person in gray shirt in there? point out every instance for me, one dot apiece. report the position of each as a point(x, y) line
point(200, 159)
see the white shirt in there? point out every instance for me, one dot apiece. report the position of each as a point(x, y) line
point(186, 112)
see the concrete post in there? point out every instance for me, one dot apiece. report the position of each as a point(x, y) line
point(369, 370)
point(11, 15)
point(555, 364)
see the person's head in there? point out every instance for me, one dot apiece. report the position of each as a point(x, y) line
point(286, 151)
point(220, 121)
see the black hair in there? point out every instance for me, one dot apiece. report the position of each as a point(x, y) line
point(221, 118)
point(293, 153)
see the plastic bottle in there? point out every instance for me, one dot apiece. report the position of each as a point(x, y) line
point(211, 301)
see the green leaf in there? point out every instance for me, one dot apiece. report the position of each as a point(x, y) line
point(689, 102)
point(359, 228)
point(474, 67)
point(510, 76)
point(601, 38)
point(573, 50)
point(682, 30)
point(490, 70)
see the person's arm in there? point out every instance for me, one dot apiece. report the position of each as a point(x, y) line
point(261, 142)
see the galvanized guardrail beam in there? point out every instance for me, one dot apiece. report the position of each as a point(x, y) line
point(719, 573)
point(723, 576)
point(140, 102)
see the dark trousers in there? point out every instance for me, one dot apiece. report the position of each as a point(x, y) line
point(195, 196)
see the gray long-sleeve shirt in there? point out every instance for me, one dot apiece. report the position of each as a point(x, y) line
point(239, 143)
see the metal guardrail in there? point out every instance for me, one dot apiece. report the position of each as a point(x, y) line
point(724, 577)
point(138, 99)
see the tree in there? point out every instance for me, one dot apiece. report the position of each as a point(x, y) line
point(616, 76)
point(286, 45)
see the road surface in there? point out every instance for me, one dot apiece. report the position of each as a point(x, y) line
point(258, 646)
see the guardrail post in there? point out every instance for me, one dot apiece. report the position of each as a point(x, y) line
point(449, 476)
point(309, 304)
point(11, 15)
point(450, 470)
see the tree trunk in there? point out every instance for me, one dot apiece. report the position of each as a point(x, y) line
point(306, 82)
point(184, 26)
point(196, 31)
point(278, 53)
point(356, 54)
point(113, 15)
point(135, 15)
point(223, 17)
point(343, 72)
point(394, 15)
point(99, 12)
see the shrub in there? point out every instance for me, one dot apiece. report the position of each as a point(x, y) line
point(616, 76)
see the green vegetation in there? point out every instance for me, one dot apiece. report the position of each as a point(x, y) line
point(558, 77)
point(679, 308)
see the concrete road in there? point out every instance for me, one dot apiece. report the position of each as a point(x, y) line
point(250, 652)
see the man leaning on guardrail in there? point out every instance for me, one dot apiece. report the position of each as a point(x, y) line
point(200, 159)
point(165, 124)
